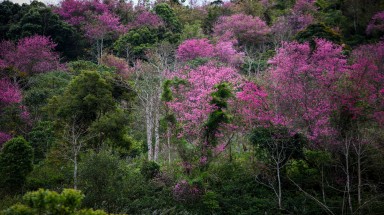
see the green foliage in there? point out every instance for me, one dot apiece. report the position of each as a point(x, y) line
point(167, 92)
point(111, 129)
point(39, 19)
point(41, 138)
point(236, 190)
point(8, 14)
point(87, 97)
point(214, 12)
point(318, 30)
point(192, 31)
point(101, 177)
point(49, 202)
point(166, 13)
point(278, 139)
point(149, 169)
point(210, 201)
point(16, 158)
point(42, 88)
point(219, 116)
point(54, 172)
point(330, 12)
point(19, 209)
point(136, 42)
point(11, 120)
point(79, 66)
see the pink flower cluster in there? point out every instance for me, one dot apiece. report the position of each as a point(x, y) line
point(184, 192)
point(224, 51)
point(377, 23)
point(31, 55)
point(241, 27)
point(303, 84)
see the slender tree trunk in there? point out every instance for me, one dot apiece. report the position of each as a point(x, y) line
point(322, 184)
point(148, 116)
point(348, 182)
point(169, 144)
point(75, 171)
point(157, 135)
point(279, 185)
point(101, 48)
point(98, 51)
point(359, 154)
point(359, 180)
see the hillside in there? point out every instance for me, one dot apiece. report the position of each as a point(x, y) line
point(168, 107)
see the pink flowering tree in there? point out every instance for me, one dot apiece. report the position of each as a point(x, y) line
point(366, 82)
point(4, 137)
point(121, 66)
point(302, 86)
point(376, 25)
point(9, 92)
point(30, 55)
point(76, 12)
point(195, 48)
point(95, 18)
point(193, 106)
point(300, 16)
point(223, 51)
point(100, 27)
point(146, 18)
point(245, 29)
point(10, 99)
point(252, 106)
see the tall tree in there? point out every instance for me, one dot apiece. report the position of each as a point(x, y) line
point(16, 159)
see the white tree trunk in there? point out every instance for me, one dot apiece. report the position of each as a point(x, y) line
point(149, 122)
point(157, 122)
point(157, 135)
point(75, 163)
point(348, 178)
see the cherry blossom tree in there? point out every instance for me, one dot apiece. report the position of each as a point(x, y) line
point(223, 51)
point(195, 48)
point(302, 86)
point(30, 55)
point(76, 12)
point(245, 29)
point(10, 97)
point(300, 16)
point(195, 108)
point(149, 19)
point(376, 24)
point(367, 82)
point(4, 137)
point(100, 27)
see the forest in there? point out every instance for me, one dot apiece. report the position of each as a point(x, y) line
point(174, 107)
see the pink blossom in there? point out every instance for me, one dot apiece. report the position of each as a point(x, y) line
point(303, 84)
point(194, 48)
point(31, 55)
point(4, 137)
point(224, 51)
point(241, 27)
point(9, 93)
point(102, 25)
point(376, 23)
point(147, 19)
point(121, 66)
point(192, 102)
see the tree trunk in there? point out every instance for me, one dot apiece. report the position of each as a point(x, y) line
point(148, 116)
point(75, 172)
point(157, 135)
point(279, 185)
point(348, 182)
point(169, 143)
